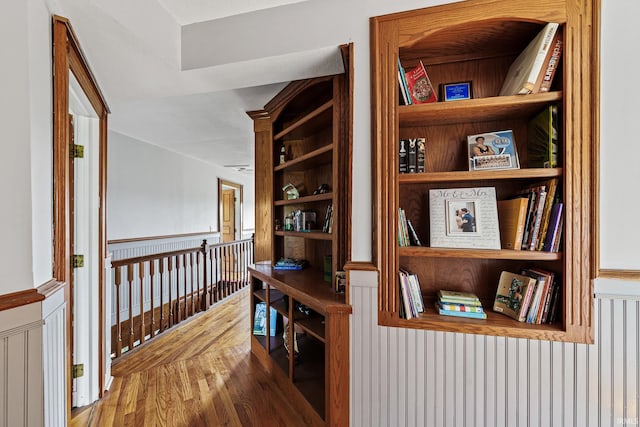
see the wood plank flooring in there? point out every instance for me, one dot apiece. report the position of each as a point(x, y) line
point(200, 373)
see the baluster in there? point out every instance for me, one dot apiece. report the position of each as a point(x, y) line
point(118, 343)
point(171, 312)
point(217, 276)
point(130, 280)
point(223, 271)
point(184, 285)
point(193, 294)
point(152, 264)
point(142, 312)
point(161, 271)
point(205, 278)
point(214, 275)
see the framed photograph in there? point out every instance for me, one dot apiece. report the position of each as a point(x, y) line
point(492, 151)
point(464, 218)
point(456, 91)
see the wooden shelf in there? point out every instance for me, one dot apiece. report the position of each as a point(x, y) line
point(321, 156)
point(466, 41)
point(313, 325)
point(310, 123)
point(421, 251)
point(315, 235)
point(305, 199)
point(274, 295)
point(476, 110)
point(494, 324)
point(424, 178)
point(305, 286)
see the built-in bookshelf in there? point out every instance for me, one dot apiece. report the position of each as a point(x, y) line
point(303, 185)
point(477, 41)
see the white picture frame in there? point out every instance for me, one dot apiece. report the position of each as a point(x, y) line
point(464, 218)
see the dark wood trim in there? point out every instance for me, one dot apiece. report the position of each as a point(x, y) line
point(68, 56)
point(49, 288)
point(20, 298)
point(168, 236)
point(360, 266)
point(619, 274)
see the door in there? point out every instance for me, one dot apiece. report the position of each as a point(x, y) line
point(228, 216)
point(84, 283)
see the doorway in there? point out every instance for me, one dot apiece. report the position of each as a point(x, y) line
point(79, 213)
point(229, 210)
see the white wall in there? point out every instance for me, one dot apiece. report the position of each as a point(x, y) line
point(25, 163)
point(155, 192)
point(620, 130)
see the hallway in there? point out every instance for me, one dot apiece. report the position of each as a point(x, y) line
point(200, 373)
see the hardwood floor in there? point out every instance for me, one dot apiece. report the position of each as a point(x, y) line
point(200, 373)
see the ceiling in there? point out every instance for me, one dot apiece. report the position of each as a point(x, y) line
point(171, 79)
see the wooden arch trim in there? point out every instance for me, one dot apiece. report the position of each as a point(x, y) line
point(68, 57)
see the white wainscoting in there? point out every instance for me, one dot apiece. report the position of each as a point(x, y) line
point(406, 377)
point(54, 342)
point(156, 246)
point(21, 379)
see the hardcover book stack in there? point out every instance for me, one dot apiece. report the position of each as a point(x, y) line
point(459, 304)
point(411, 304)
point(411, 155)
point(531, 297)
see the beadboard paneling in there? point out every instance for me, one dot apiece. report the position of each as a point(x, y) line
point(402, 377)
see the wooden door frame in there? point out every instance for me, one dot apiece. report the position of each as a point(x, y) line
point(68, 57)
point(238, 187)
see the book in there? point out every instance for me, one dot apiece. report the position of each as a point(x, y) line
point(402, 82)
point(420, 88)
point(412, 155)
point(552, 186)
point(492, 150)
point(549, 278)
point(414, 240)
point(460, 307)
point(467, 314)
point(514, 295)
point(290, 264)
point(542, 138)
point(525, 69)
point(554, 229)
point(541, 284)
point(260, 320)
point(457, 297)
point(551, 62)
point(512, 214)
point(420, 155)
point(403, 161)
point(411, 294)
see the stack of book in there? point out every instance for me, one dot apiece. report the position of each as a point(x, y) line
point(533, 220)
point(290, 264)
point(412, 303)
point(534, 69)
point(459, 304)
point(531, 297)
point(407, 235)
point(415, 85)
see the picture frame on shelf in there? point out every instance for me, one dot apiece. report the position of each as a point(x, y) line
point(464, 218)
point(456, 91)
point(492, 151)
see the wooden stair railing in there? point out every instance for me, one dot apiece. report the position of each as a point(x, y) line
point(154, 292)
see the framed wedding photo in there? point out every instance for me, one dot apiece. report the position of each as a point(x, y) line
point(464, 218)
